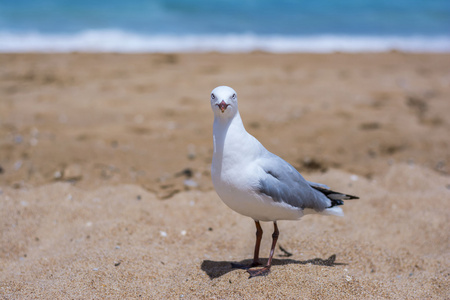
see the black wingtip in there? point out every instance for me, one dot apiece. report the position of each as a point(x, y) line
point(332, 195)
point(335, 202)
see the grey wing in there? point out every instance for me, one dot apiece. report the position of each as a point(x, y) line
point(283, 183)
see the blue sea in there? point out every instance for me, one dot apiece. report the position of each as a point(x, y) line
point(224, 25)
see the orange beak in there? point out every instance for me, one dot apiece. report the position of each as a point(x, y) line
point(223, 106)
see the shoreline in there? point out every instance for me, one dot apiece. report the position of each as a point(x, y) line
point(129, 42)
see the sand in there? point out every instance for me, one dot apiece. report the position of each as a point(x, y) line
point(105, 190)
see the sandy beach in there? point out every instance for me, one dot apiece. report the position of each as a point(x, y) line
point(105, 189)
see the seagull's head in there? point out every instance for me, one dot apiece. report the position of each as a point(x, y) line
point(224, 101)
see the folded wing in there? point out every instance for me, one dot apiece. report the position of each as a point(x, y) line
point(283, 183)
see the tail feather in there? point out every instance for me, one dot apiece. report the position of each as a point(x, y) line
point(333, 211)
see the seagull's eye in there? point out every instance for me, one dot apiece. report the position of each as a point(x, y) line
point(213, 97)
point(234, 96)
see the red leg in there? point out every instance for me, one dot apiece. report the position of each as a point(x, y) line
point(259, 233)
point(264, 271)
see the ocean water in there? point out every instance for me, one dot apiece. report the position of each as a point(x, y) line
point(225, 25)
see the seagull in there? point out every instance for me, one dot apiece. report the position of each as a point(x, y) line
point(258, 184)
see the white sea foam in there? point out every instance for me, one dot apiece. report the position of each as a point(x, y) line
point(120, 41)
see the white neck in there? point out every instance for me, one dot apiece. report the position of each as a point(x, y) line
point(226, 129)
point(232, 144)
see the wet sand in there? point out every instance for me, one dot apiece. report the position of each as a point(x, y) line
point(106, 190)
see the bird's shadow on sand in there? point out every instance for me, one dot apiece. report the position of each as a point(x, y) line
point(215, 269)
